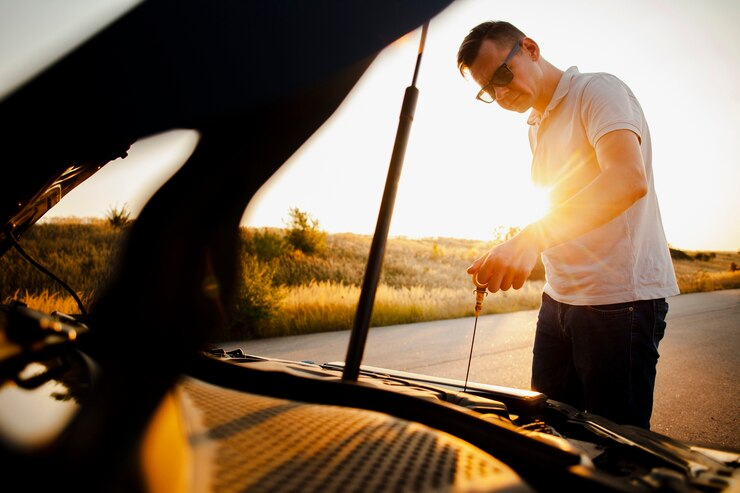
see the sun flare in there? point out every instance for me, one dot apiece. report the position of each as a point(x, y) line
point(535, 204)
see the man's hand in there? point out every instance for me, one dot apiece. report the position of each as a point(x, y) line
point(506, 265)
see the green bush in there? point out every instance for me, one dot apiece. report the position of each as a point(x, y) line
point(679, 254)
point(118, 217)
point(706, 257)
point(257, 299)
point(304, 233)
point(265, 244)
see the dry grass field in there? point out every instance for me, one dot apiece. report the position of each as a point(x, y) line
point(708, 275)
point(285, 291)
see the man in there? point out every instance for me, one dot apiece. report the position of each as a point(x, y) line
point(606, 259)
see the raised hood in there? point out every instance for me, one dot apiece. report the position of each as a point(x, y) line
point(158, 65)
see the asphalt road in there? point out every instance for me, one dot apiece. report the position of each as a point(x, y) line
point(697, 395)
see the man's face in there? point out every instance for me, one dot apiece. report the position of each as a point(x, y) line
point(519, 94)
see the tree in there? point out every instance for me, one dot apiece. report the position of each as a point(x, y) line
point(304, 233)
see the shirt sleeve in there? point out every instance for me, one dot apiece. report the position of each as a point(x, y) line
point(608, 105)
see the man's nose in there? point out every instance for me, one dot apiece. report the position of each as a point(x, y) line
point(501, 91)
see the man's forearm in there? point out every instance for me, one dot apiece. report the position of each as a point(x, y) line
point(609, 195)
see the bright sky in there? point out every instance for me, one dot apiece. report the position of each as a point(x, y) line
point(466, 169)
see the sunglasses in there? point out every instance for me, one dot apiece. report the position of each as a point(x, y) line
point(502, 76)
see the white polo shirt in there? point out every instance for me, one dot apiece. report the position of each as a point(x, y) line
point(626, 259)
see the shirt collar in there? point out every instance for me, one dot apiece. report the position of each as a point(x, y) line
point(535, 117)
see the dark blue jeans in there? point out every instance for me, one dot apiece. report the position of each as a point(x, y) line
point(600, 359)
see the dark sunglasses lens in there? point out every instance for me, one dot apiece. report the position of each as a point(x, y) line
point(502, 76)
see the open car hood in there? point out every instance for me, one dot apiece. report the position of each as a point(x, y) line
point(157, 65)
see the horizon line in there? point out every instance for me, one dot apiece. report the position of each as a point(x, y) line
point(92, 219)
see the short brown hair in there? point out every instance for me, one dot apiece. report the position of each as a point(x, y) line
point(500, 31)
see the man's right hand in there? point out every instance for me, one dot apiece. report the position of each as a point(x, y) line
point(506, 265)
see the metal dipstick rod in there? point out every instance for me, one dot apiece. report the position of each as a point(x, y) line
point(480, 293)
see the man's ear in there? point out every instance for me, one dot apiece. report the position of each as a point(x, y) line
point(531, 48)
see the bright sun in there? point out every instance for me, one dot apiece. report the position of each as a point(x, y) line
point(535, 204)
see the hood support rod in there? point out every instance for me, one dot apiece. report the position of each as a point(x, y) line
point(363, 314)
